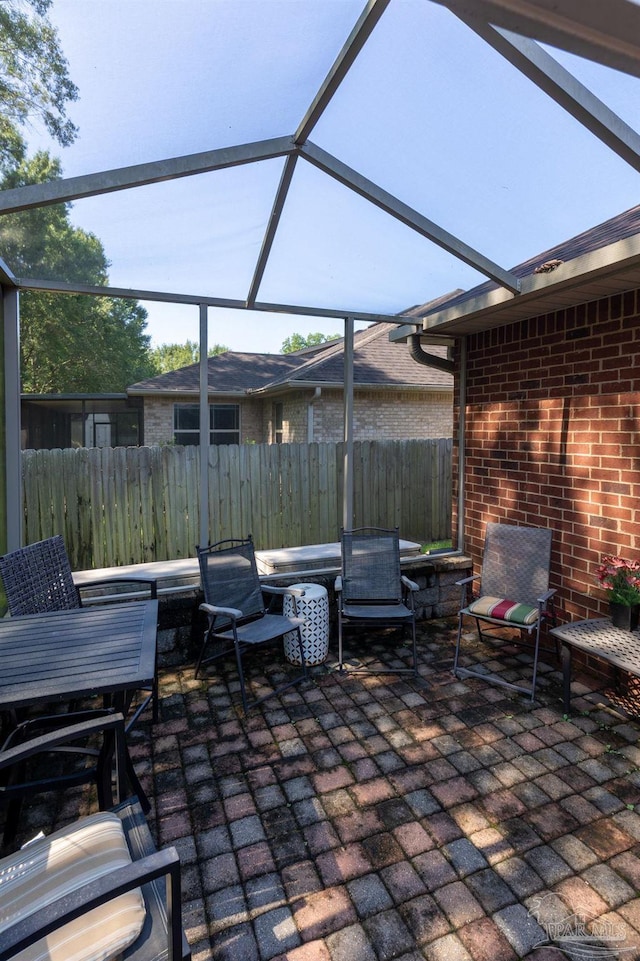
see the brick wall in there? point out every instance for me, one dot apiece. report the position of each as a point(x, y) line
point(379, 415)
point(553, 439)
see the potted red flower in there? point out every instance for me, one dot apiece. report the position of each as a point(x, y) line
point(621, 580)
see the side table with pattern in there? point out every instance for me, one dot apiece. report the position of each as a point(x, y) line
point(601, 639)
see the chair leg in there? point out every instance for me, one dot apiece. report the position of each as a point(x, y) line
point(243, 690)
point(302, 657)
point(415, 647)
point(458, 640)
point(535, 662)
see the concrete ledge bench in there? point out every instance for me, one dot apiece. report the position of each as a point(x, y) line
point(180, 576)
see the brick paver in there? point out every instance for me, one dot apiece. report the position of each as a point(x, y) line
point(379, 817)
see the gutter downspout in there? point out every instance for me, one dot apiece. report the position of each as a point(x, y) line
point(422, 356)
point(316, 396)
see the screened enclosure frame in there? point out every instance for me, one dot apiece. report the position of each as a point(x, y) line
point(608, 33)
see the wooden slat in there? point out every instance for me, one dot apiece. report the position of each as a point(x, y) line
point(139, 505)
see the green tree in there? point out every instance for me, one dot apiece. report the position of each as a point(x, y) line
point(298, 342)
point(34, 78)
point(168, 357)
point(69, 343)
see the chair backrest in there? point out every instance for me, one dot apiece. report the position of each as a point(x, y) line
point(371, 566)
point(516, 562)
point(37, 579)
point(230, 577)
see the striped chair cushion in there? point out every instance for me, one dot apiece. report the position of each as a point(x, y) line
point(50, 867)
point(504, 610)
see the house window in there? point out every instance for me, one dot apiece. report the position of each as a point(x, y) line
point(278, 422)
point(224, 423)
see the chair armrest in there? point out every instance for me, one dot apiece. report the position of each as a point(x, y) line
point(337, 586)
point(63, 735)
point(546, 596)
point(409, 584)
point(166, 863)
point(214, 611)
point(292, 591)
point(467, 580)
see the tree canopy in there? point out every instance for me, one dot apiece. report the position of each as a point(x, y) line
point(34, 76)
point(298, 342)
point(69, 343)
point(168, 357)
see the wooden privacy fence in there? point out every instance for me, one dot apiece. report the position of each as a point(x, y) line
point(128, 505)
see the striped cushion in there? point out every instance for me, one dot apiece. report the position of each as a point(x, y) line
point(504, 610)
point(49, 868)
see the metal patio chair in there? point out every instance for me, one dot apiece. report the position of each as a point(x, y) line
point(237, 617)
point(95, 889)
point(371, 591)
point(53, 753)
point(513, 594)
point(38, 579)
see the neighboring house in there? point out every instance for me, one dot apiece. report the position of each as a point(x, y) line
point(80, 420)
point(550, 383)
point(299, 397)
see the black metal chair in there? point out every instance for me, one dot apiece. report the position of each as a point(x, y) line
point(513, 594)
point(372, 592)
point(65, 889)
point(237, 617)
point(38, 579)
point(58, 752)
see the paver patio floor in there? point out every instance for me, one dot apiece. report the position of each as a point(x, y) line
point(371, 817)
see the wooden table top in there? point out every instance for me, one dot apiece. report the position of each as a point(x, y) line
point(71, 654)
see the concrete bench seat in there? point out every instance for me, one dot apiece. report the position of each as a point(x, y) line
point(182, 575)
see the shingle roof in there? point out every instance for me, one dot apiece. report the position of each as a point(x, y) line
point(376, 362)
point(229, 372)
point(626, 224)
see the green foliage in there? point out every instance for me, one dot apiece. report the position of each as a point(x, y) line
point(168, 357)
point(298, 342)
point(69, 344)
point(34, 78)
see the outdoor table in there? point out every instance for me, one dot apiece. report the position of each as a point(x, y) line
point(67, 655)
point(601, 639)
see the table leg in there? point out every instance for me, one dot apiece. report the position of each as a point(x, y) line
point(566, 678)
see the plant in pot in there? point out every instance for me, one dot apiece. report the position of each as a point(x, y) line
point(621, 581)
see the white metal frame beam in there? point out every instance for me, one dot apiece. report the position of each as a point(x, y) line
point(140, 175)
point(407, 215)
point(361, 32)
point(606, 31)
point(559, 84)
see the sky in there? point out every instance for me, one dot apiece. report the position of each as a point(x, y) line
point(429, 112)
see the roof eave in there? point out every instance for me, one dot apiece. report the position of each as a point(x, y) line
point(338, 385)
point(183, 392)
point(601, 273)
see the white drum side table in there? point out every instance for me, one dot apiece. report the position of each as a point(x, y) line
point(314, 606)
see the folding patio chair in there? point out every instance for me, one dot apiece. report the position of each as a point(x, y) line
point(38, 579)
point(513, 594)
point(235, 608)
point(371, 590)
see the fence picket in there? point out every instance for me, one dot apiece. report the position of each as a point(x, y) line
point(118, 506)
